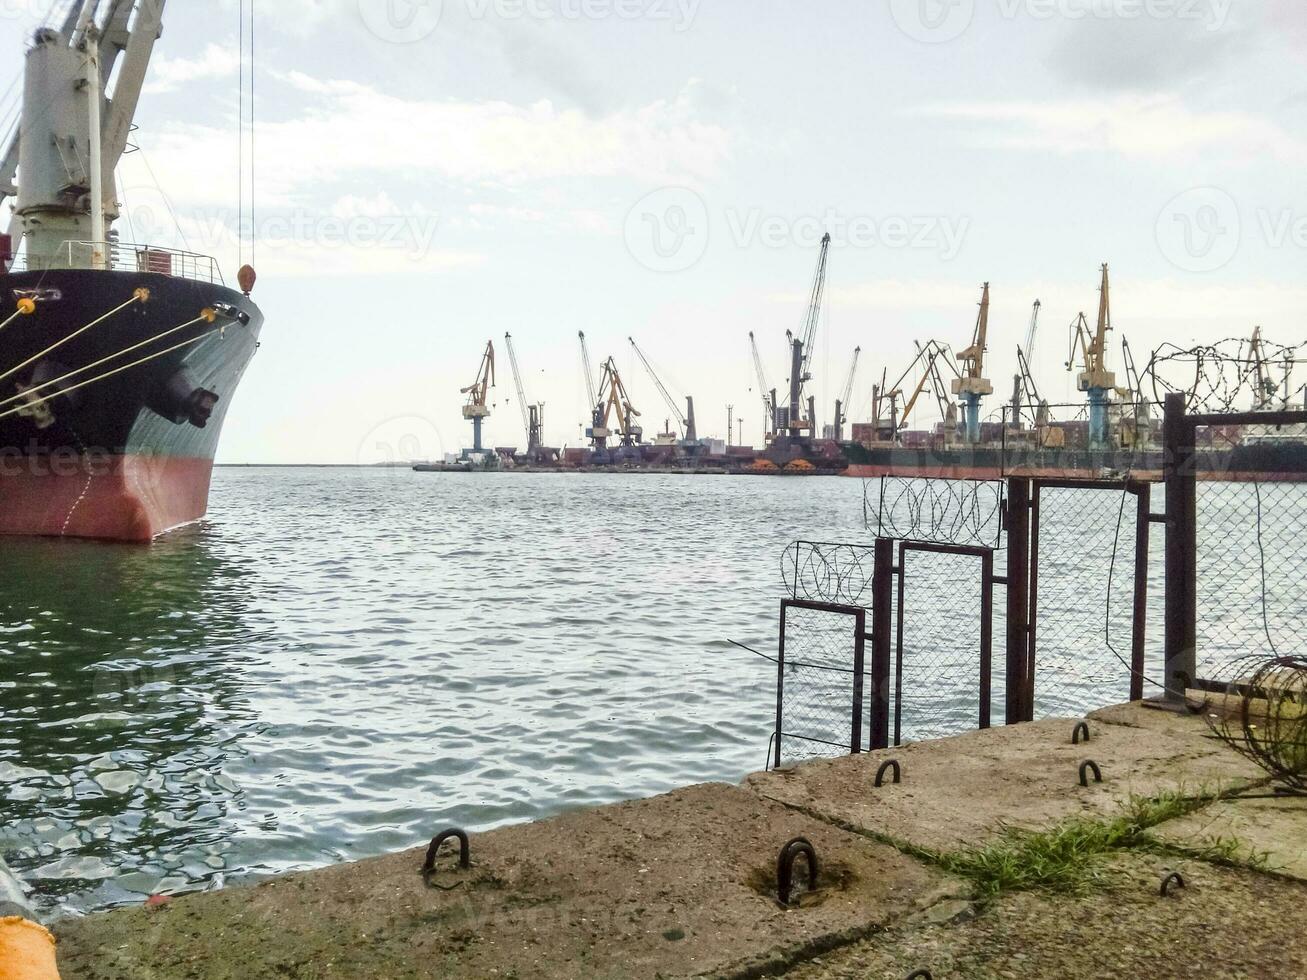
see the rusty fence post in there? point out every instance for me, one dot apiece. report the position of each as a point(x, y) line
point(882, 598)
point(1139, 625)
point(1179, 472)
point(1020, 700)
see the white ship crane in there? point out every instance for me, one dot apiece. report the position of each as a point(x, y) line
point(74, 132)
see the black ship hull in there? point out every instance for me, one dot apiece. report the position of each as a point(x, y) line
point(109, 421)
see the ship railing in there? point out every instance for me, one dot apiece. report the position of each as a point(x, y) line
point(126, 257)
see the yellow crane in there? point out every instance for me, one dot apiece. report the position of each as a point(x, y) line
point(1094, 378)
point(476, 408)
point(1266, 389)
point(972, 385)
point(614, 401)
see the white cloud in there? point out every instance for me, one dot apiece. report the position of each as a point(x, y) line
point(167, 74)
point(1140, 127)
point(349, 130)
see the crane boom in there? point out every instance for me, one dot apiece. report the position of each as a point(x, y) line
point(764, 389)
point(521, 395)
point(662, 390)
point(801, 350)
point(1030, 334)
point(815, 299)
point(592, 398)
point(847, 393)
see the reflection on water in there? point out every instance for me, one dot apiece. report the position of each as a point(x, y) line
point(122, 703)
point(339, 660)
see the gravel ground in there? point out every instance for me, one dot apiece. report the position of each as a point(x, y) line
point(1228, 924)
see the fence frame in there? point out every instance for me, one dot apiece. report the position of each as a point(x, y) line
point(1180, 476)
point(1025, 498)
point(987, 582)
point(859, 615)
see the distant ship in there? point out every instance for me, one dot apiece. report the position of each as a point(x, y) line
point(118, 362)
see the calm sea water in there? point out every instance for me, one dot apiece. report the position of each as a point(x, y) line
point(339, 662)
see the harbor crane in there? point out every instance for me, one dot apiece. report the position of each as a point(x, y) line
point(928, 359)
point(476, 408)
point(1265, 388)
point(971, 384)
point(690, 437)
point(614, 401)
point(532, 415)
point(768, 394)
point(801, 349)
point(1022, 382)
point(597, 432)
point(842, 403)
point(1095, 378)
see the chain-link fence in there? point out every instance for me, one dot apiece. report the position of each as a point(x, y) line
point(1090, 646)
point(820, 681)
point(1186, 567)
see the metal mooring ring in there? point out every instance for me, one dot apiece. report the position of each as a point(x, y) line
point(1088, 766)
point(464, 851)
point(884, 767)
point(1172, 878)
point(919, 975)
point(785, 867)
point(1080, 731)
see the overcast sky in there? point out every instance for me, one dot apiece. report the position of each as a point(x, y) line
point(429, 177)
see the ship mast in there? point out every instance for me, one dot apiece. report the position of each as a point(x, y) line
point(71, 135)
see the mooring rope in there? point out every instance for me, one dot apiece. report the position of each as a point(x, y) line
point(108, 374)
point(141, 295)
point(206, 315)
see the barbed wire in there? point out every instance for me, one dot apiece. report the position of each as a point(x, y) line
point(820, 572)
point(1263, 717)
point(962, 512)
point(1231, 375)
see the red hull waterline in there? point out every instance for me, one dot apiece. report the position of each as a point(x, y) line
point(131, 498)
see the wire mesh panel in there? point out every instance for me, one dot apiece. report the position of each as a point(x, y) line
point(820, 703)
point(1083, 598)
point(944, 619)
point(1252, 573)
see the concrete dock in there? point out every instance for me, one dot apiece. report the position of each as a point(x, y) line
point(684, 885)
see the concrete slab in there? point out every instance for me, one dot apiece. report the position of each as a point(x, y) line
point(1270, 833)
point(966, 790)
point(1230, 924)
point(679, 885)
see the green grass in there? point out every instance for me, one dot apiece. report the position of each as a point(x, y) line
point(1068, 857)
